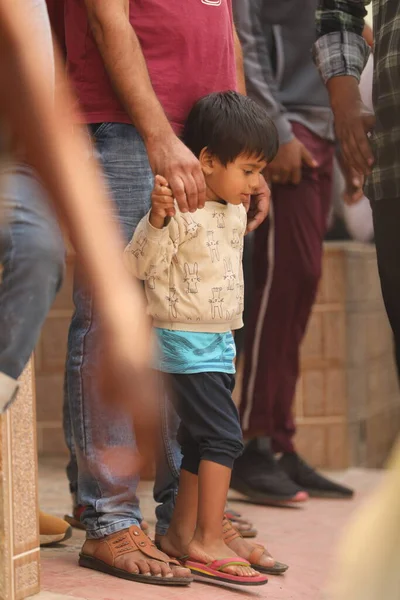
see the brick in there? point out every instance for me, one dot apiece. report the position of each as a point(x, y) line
point(337, 446)
point(374, 290)
point(53, 343)
point(298, 405)
point(49, 397)
point(357, 444)
point(357, 393)
point(335, 393)
point(356, 338)
point(311, 443)
point(378, 386)
point(356, 280)
point(52, 441)
point(334, 343)
point(313, 393)
point(333, 280)
point(312, 343)
point(63, 299)
point(379, 338)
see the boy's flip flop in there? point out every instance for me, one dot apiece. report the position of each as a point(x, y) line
point(213, 571)
point(230, 533)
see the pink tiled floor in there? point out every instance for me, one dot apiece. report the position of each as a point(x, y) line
point(304, 538)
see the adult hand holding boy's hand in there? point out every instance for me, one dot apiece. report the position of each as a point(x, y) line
point(169, 156)
point(162, 203)
point(258, 207)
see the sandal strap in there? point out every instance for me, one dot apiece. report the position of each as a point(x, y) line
point(229, 532)
point(222, 563)
point(134, 540)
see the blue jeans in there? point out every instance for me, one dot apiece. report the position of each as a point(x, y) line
point(32, 256)
point(92, 428)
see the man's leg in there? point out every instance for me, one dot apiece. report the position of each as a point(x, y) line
point(284, 300)
point(168, 465)
point(110, 498)
point(103, 433)
point(32, 258)
point(386, 215)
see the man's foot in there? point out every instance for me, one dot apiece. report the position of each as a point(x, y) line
point(53, 530)
point(130, 554)
point(256, 554)
point(257, 475)
point(306, 477)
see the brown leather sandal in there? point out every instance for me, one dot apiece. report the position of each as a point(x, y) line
point(230, 533)
point(100, 555)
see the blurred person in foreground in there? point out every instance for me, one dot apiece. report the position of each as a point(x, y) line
point(370, 144)
point(277, 39)
point(44, 167)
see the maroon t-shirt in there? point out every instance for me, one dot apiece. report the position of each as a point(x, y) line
point(187, 44)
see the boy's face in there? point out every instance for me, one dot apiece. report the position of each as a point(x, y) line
point(235, 182)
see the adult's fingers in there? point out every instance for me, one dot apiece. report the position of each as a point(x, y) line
point(296, 175)
point(284, 176)
point(258, 210)
point(178, 190)
point(308, 158)
point(255, 221)
point(190, 190)
point(201, 186)
point(356, 148)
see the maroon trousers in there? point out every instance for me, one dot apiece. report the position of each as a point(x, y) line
point(286, 270)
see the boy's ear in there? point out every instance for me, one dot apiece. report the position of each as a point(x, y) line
point(206, 161)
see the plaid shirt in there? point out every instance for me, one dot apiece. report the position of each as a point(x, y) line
point(340, 50)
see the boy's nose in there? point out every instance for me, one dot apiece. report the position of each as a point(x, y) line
point(255, 183)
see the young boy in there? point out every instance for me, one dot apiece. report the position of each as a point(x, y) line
point(192, 266)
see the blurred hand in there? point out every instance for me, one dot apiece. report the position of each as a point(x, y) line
point(286, 166)
point(354, 185)
point(258, 206)
point(352, 123)
point(170, 158)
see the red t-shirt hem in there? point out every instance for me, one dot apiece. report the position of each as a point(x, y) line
point(115, 117)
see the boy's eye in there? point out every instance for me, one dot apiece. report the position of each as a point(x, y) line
point(248, 172)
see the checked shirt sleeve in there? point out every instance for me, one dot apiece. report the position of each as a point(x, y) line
point(340, 48)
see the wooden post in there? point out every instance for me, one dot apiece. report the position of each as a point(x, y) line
point(19, 532)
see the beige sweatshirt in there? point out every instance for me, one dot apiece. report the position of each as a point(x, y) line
point(193, 268)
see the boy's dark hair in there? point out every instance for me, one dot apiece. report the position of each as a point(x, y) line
point(229, 124)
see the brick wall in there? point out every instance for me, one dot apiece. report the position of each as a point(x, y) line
point(347, 401)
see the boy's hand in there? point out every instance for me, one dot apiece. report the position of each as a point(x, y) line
point(162, 203)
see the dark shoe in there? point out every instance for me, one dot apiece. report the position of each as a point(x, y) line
point(257, 475)
point(310, 480)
